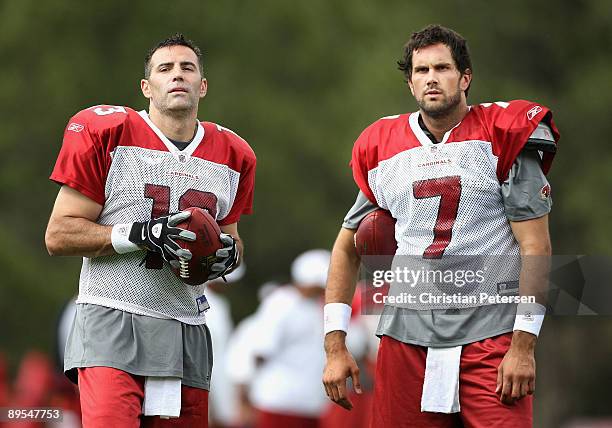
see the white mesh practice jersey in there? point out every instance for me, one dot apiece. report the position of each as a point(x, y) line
point(446, 197)
point(120, 159)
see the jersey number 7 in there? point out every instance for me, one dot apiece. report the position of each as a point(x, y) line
point(449, 191)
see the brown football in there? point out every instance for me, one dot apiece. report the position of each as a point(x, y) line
point(197, 270)
point(375, 236)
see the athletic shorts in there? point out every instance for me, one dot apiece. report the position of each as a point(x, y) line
point(400, 371)
point(113, 398)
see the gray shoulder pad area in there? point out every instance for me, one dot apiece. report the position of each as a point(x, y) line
point(526, 192)
point(361, 208)
point(542, 139)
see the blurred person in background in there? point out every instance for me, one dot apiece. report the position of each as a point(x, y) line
point(66, 394)
point(37, 385)
point(286, 389)
point(64, 325)
point(459, 180)
point(240, 364)
point(222, 397)
point(139, 345)
point(32, 388)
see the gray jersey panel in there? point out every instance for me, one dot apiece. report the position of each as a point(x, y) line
point(361, 208)
point(139, 345)
point(442, 328)
point(522, 191)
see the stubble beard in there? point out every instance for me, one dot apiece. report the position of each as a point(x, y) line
point(439, 110)
point(177, 110)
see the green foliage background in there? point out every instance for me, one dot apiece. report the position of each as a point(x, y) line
point(299, 81)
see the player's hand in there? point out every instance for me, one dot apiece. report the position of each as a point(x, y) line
point(339, 366)
point(158, 235)
point(517, 371)
point(226, 257)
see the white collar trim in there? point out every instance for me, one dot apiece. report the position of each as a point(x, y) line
point(413, 120)
point(178, 154)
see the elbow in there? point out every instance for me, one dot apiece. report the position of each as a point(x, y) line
point(548, 249)
point(346, 249)
point(543, 248)
point(353, 256)
point(52, 242)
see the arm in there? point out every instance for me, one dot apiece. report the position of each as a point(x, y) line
point(516, 373)
point(72, 228)
point(343, 269)
point(341, 282)
point(534, 242)
point(73, 231)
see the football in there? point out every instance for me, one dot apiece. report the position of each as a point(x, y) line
point(375, 236)
point(196, 270)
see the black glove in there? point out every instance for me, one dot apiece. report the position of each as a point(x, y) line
point(158, 235)
point(226, 257)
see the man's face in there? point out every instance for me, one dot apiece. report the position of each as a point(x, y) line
point(436, 82)
point(175, 84)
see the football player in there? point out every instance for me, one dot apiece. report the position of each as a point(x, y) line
point(285, 388)
point(459, 180)
point(139, 345)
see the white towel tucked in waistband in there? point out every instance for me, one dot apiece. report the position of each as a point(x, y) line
point(162, 397)
point(441, 385)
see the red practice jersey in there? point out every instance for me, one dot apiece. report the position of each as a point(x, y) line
point(120, 159)
point(446, 197)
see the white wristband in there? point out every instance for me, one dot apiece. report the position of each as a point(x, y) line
point(120, 239)
point(529, 317)
point(336, 316)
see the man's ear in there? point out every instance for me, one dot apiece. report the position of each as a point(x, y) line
point(203, 87)
point(411, 86)
point(145, 88)
point(465, 80)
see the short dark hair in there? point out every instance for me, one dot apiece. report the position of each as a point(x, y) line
point(177, 39)
point(432, 35)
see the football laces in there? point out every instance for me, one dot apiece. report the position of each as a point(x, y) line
point(183, 268)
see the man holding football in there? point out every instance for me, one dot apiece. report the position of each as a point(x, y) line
point(459, 180)
point(139, 345)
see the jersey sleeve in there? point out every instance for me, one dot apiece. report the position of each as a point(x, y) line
point(365, 158)
point(243, 202)
point(510, 126)
point(84, 158)
point(361, 208)
point(526, 191)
